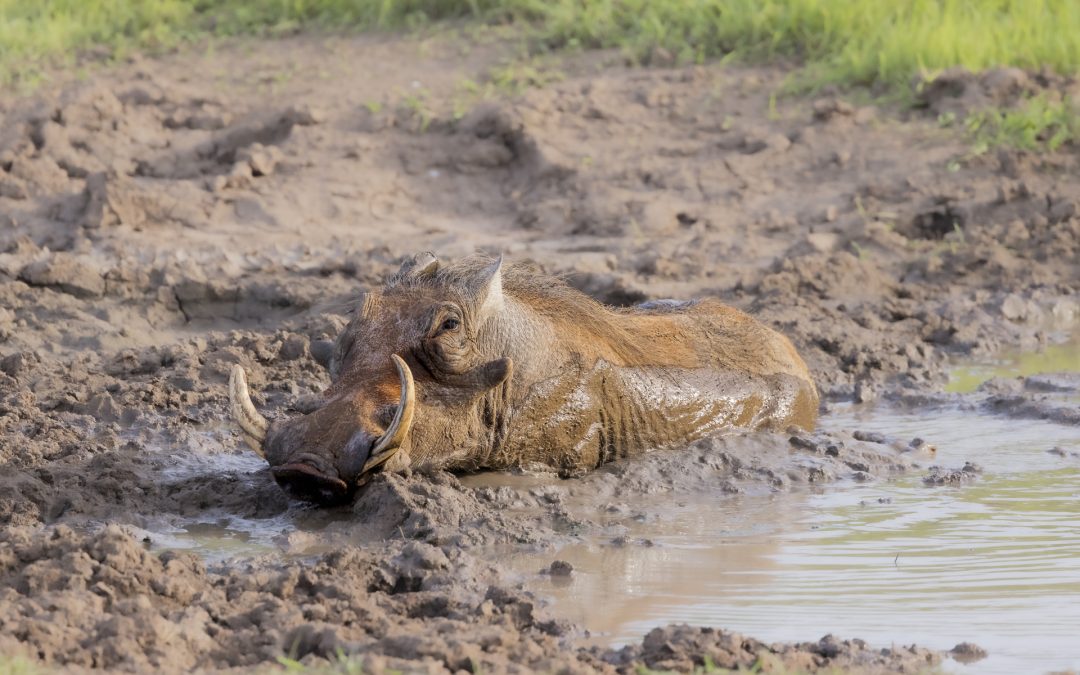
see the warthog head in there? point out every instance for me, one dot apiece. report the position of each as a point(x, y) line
point(416, 369)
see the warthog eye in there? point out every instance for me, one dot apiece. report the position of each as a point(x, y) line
point(450, 324)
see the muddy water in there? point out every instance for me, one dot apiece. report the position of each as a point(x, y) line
point(218, 535)
point(995, 562)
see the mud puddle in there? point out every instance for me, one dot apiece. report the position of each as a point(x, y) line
point(301, 533)
point(990, 557)
point(217, 535)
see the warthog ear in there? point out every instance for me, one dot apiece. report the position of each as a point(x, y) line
point(494, 373)
point(486, 377)
point(487, 289)
point(481, 378)
point(420, 265)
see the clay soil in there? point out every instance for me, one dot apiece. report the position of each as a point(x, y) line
point(162, 220)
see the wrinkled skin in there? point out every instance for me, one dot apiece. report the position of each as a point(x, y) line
point(511, 368)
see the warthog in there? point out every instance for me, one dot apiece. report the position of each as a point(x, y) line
point(477, 365)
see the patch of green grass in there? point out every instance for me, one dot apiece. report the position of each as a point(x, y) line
point(467, 94)
point(854, 41)
point(842, 41)
point(519, 75)
point(17, 665)
point(1038, 124)
point(341, 664)
point(37, 34)
point(416, 105)
point(33, 33)
point(510, 78)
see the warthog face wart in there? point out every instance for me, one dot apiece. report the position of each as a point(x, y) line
point(470, 366)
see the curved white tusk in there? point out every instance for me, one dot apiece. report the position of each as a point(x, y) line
point(252, 424)
point(395, 434)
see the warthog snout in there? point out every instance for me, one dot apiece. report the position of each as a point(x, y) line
point(321, 477)
point(305, 481)
point(325, 455)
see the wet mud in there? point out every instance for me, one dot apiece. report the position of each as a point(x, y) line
point(158, 227)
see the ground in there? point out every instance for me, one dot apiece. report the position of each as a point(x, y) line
point(166, 218)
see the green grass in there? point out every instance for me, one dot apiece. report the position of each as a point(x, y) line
point(38, 34)
point(849, 41)
point(342, 665)
point(35, 32)
point(1038, 124)
point(842, 41)
point(18, 665)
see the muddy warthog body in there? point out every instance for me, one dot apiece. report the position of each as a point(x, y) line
point(476, 365)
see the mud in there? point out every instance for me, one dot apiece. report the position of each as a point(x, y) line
point(104, 601)
point(163, 220)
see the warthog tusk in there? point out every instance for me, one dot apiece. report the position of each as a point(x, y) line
point(397, 431)
point(252, 424)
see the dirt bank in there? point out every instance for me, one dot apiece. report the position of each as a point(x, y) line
point(166, 219)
